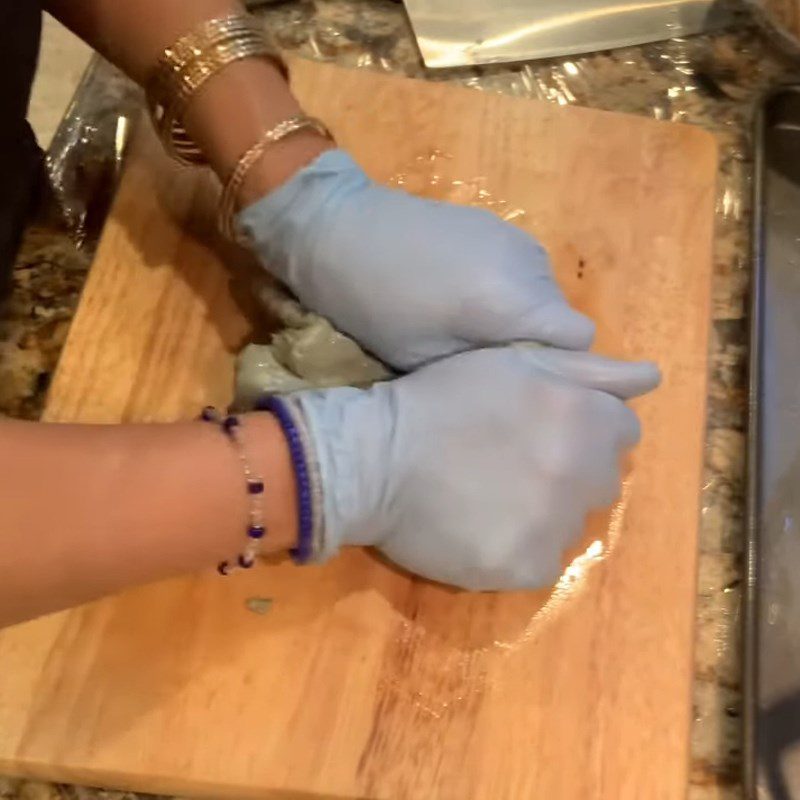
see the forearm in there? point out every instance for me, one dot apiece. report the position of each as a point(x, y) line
point(228, 114)
point(88, 510)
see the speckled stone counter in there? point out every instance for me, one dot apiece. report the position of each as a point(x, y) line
point(713, 81)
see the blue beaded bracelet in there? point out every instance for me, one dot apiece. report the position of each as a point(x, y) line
point(231, 426)
point(305, 544)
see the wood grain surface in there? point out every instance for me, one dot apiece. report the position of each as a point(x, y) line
point(361, 682)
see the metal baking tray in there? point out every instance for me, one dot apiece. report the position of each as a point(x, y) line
point(772, 611)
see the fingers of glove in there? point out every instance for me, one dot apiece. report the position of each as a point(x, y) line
point(504, 314)
point(622, 379)
point(511, 302)
point(625, 431)
point(582, 454)
point(555, 323)
point(603, 486)
point(630, 428)
point(545, 316)
point(616, 422)
point(619, 431)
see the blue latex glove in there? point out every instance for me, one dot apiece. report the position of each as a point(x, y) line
point(479, 470)
point(410, 279)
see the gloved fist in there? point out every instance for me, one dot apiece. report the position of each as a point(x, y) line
point(411, 280)
point(479, 470)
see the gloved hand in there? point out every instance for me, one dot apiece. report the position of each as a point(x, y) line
point(410, 279)
point(479, 470)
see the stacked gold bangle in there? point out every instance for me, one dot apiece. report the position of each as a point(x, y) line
point(186, 66)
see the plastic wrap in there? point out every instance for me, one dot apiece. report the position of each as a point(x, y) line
point(712, 81)
point(85, 158)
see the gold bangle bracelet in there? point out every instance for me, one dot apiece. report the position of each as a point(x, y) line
point(188, 81)
point(192, 44)
point(186, 66)
point(227, 203)
point(192, 78)
point(161, 85)
point(168, 124)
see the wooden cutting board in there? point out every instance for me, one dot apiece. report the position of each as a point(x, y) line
point(361, 682)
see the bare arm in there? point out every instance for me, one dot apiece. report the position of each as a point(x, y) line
point(84, 510)
point(89, 510)
point(231, 112)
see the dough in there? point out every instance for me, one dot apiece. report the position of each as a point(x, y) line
point(306, 353)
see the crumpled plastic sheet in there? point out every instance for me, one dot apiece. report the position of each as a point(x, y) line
point(714, 81)
point(85, 158)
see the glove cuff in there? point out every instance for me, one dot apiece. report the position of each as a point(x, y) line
point(277, 225)
point(349, 433)
point(311, 523)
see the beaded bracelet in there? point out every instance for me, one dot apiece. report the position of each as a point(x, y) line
point(309, 513)
point(231, 425)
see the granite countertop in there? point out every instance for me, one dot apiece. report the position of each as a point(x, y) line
point(713, 81)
